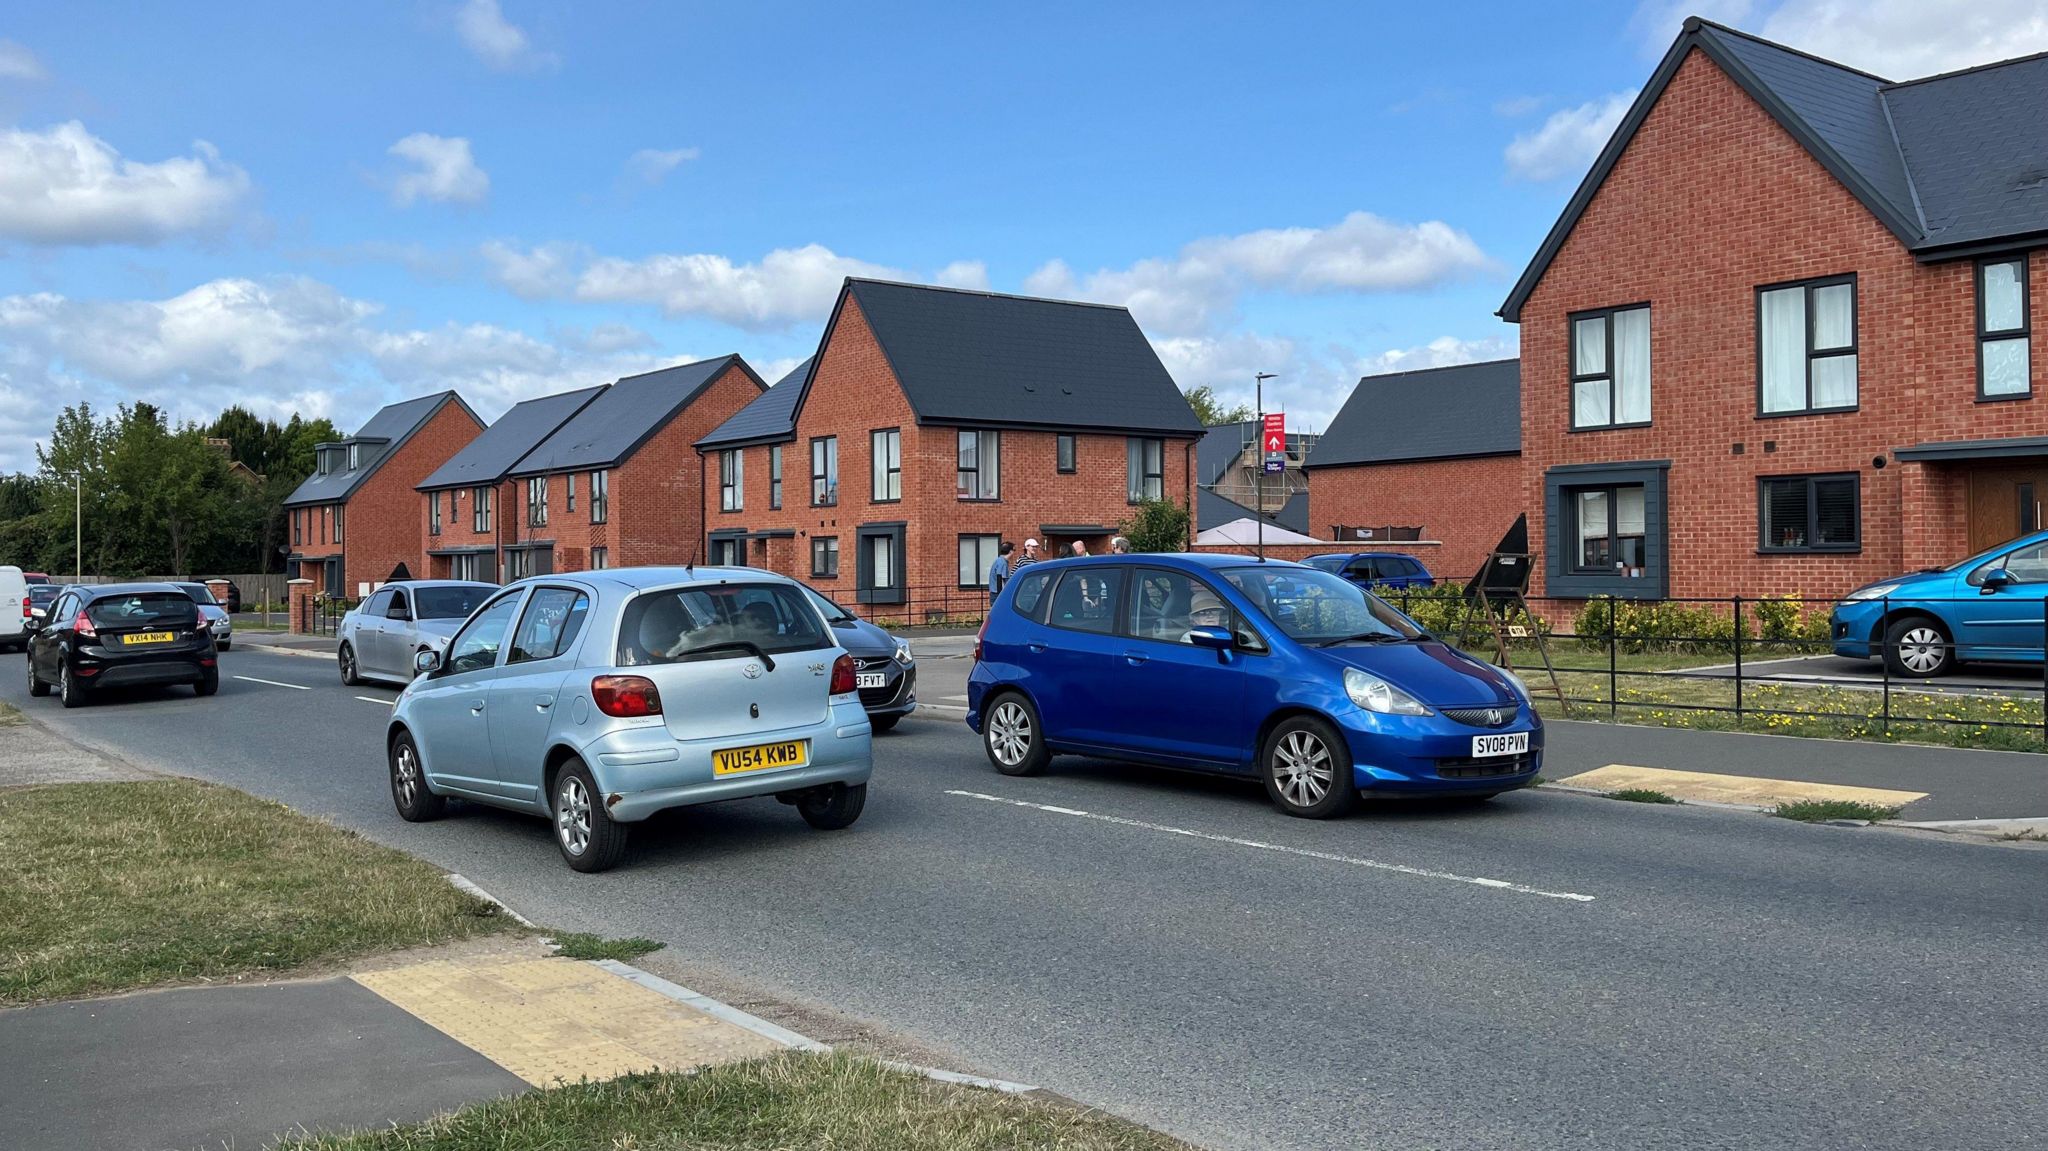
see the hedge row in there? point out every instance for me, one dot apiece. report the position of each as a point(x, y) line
point(1779, 622)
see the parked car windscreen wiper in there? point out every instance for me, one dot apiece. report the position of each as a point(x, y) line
point(1363, 637)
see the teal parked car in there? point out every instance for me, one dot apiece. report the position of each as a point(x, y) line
point(1992, 606)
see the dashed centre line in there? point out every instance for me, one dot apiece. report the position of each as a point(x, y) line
point(374, 699)
point(275, 683)
point(1306, 853)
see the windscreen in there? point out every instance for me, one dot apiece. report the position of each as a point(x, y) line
point(1314, 606)
point(447, 602)
point(143, 609)
point(833, 612)
point(1326, 563)
point(41, 593)
point(198, 592)
point(718, 621)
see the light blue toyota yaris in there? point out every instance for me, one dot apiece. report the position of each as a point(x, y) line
point(599, 698)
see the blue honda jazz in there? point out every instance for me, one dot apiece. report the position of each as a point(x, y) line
point(1227, 664)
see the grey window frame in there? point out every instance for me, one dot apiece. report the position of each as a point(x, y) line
point(600, 558)
point(298, 526)
point(824, 471)
point(433, 513)
point(774, 477)
point(1855, 347)
point(732, 496)
point(984, 438)
point(824, 546)
point(569, 482)
point(1811, 481)
point(865, 590)
point(2024, 332)
point(537, 509)
point(1139, 481)
point(885, 467)
point(600, 495)
point(1571, 328)
point(1066, 454)
point(992, 541)
point(337, 522)
point(480, 509)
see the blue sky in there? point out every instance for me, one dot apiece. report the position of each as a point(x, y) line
point(325, 208)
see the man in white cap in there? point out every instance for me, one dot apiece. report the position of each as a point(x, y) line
point(1030, 556)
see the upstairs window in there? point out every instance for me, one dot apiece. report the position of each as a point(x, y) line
point(537, 502)
point(1611, 368)
point(355, 456)
point(1809, 514)
point(433, 513)
point(480, 509)
point(978, 474)
point(731, 496)
point(885, 456)
point(775, 476)
point(600, 496)
point(570, 481)
point(1064, 454)
point(825, 471)
point(2004, 361)
point(1146, 468)
point(1806, 347)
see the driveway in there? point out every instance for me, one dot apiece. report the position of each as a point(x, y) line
point(1545, 970)
point(2001, 679)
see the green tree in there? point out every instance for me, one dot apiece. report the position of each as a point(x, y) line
point(1157, 526)
point(1210, 410)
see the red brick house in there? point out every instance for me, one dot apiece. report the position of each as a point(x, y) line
point(618, 484)
point(957, 420)
point(354, 522)
point(1426, 462)
point(1779, 340)
point(469, 502)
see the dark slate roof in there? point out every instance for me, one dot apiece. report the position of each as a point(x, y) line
point(1950, 164)
point(1427, 414)
point(380, 438)
point(489, 456)
point(615, 424)
point(1293, 515)
point(1015, 361)
point(769, 417)
point(1213, 511)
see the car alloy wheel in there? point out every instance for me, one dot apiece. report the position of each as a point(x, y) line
point(405, 775)
point(1922, 649)
point(1303, 769)
point(572, 815)
point(1009, 733)
point(348, 665)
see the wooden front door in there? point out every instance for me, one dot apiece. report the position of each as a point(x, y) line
point(2006, 502)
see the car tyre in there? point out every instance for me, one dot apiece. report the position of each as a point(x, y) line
point(350, 676)
point(584, 831)
point(224, 644)
point(70, 692)
point(883, 723)
point(208, 682)
point(36, 686)
point(1013, 737)
point(1306, 766)
point(1916, 647)
point(832, 808)
point(415, 802)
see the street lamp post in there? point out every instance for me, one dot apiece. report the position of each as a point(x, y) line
point(1259, 477)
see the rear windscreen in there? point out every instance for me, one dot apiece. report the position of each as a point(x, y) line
point(721, 621)
point(143, 609)
point(447, 602)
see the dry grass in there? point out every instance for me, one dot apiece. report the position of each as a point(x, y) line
point(110, 886)
point(843, 1102)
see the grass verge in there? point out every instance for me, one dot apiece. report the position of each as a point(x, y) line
point(1822, 810)
point(1641, 795)
point(10, 715)
point(111, 886)
point(843, 1102)
point(581, 945)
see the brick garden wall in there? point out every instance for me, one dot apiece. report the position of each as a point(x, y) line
point(1711, 200)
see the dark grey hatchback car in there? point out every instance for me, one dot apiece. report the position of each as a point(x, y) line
point(883, 669)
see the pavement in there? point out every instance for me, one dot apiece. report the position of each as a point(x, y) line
point(1548, 969)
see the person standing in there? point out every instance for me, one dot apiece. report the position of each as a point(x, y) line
point(1030, 556)
point(1079, 548)
point(999, 571)
point(1119, 546)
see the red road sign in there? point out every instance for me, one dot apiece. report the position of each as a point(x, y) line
point(1276, 433)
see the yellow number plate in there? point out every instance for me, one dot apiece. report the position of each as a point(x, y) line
point(147, 637)
point(734, 760)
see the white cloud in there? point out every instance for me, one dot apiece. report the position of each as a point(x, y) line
point(651, 166)
point(971, 274)
point(1441, 352)
point(18, 63)
point(787, 284)
point(446, 171)
point(497, 41)
point(277, 346)
point(534, 273)
point(1899, 39)
point(1514, 106)
point(1568, 141)
point(67, 186)
point(1192, 292)
point(772, 370)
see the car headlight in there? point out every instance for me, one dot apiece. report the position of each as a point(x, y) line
point(1375, 694)
point(1515, 684)
point(1876, 591)
point(903, 652)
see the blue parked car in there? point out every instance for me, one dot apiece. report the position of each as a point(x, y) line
point(1375, 569)
point(1226, 664)
point(1987, 607)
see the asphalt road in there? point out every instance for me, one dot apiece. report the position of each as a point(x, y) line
point(1545, 971)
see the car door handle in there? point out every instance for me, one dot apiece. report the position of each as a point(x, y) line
point(1036, 648)
point(543, 702)
point(1134, 658)
point(476, 707)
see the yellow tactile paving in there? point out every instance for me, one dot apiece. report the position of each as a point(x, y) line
point(1707, 787)
point(550, 1019)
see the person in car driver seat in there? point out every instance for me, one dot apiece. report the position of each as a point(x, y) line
point(1204, 610)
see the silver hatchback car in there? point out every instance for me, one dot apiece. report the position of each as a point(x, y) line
point(599, 698)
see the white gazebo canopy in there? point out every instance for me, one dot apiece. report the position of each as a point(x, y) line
point(1246, 531)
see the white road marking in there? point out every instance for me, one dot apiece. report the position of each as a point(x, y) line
point(374, 699)
point(1329, 857)
point(275, 683)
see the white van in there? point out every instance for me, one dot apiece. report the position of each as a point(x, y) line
point(14, 611)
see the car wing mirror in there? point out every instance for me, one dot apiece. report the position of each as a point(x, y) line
point(1995, 580)
point(401, 614)
point(427, 661)
point(1216, 638)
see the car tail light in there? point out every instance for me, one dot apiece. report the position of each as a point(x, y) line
point(977, 639)
point(28, 609)
point(84, 628)
point(842, 675)
point(625, 695)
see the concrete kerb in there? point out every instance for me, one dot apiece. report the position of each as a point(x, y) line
point(741, 1019)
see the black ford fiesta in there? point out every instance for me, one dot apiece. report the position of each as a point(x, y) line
point(120, 635)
